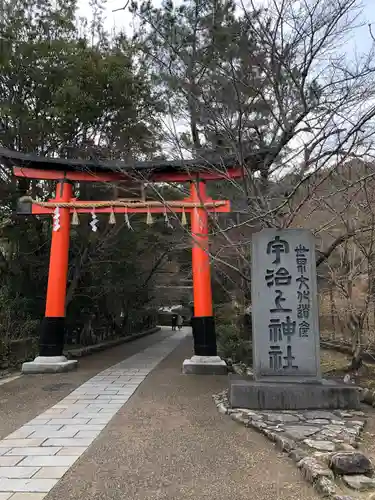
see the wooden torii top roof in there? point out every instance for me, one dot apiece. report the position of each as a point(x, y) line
point(41, 167)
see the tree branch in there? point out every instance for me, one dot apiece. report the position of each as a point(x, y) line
point(339, 241)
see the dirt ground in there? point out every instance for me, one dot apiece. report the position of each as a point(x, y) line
point(334, 364)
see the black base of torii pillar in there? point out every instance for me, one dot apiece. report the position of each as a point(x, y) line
point(52, 330)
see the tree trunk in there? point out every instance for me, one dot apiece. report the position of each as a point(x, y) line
point(332, 306)
point(357, 346)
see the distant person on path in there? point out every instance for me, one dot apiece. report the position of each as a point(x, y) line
point(180, 321)
point(174, 321)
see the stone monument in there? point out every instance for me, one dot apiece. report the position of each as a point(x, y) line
point(286, 350)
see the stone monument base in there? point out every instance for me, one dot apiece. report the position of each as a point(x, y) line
point(205, 365)
point(49, 364)
point(255, 395)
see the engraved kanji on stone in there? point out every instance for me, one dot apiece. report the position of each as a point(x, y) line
point(275, 330)
point(289, 359)
point(277, 247)
point(305, 295)
point(275, 357)
point(281, 277)
point(278, 300)
point(288, 328)
point(301, 258)
point(301, 250)
point(303, 282)
point(304, 329)
point(301, 264)
point(303, 311)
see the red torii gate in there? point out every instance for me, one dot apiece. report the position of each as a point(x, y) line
point(64, 206)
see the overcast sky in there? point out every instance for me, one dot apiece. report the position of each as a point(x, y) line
point(117, 20)
point(361, 38)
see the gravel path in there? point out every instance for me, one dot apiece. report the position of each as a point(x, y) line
point(169, 442)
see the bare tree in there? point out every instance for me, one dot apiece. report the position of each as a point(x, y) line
point(274, 87)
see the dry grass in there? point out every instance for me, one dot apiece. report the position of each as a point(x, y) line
point(336, 312)
point(334, 365)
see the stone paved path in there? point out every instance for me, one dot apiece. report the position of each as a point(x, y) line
point(166, 442)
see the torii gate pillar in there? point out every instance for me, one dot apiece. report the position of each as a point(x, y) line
point(51, 344)
point(205, 359)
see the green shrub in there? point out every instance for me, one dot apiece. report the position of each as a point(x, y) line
point(231, 344)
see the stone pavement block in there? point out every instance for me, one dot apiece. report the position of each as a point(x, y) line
point(44, 461)
point(102, 389)
point(18, 472)
point(108, 411)
point(72, 451)
point(21, 433)
point(128, 391)
point(65, 403)
point(12, 443)
point(117, 399)
point(98, 391)
point(88, 427)
point(105, 406)
point(99, 386)
point(10, 461)
point(45, 433)
point(69, 442)
point(27, 496)
point(45, 450)
point(77, 405)
point(27, 485)
point(86, 399)
point(123, 400)
point(5, 496)
point(92, 385)
point(88, 414)
point(101, 420)
point(39, 421)
point(88, 434)
point(97, 406)
point(72, 421)
point(64, 414)
point(51, 426)
point(51, 472)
